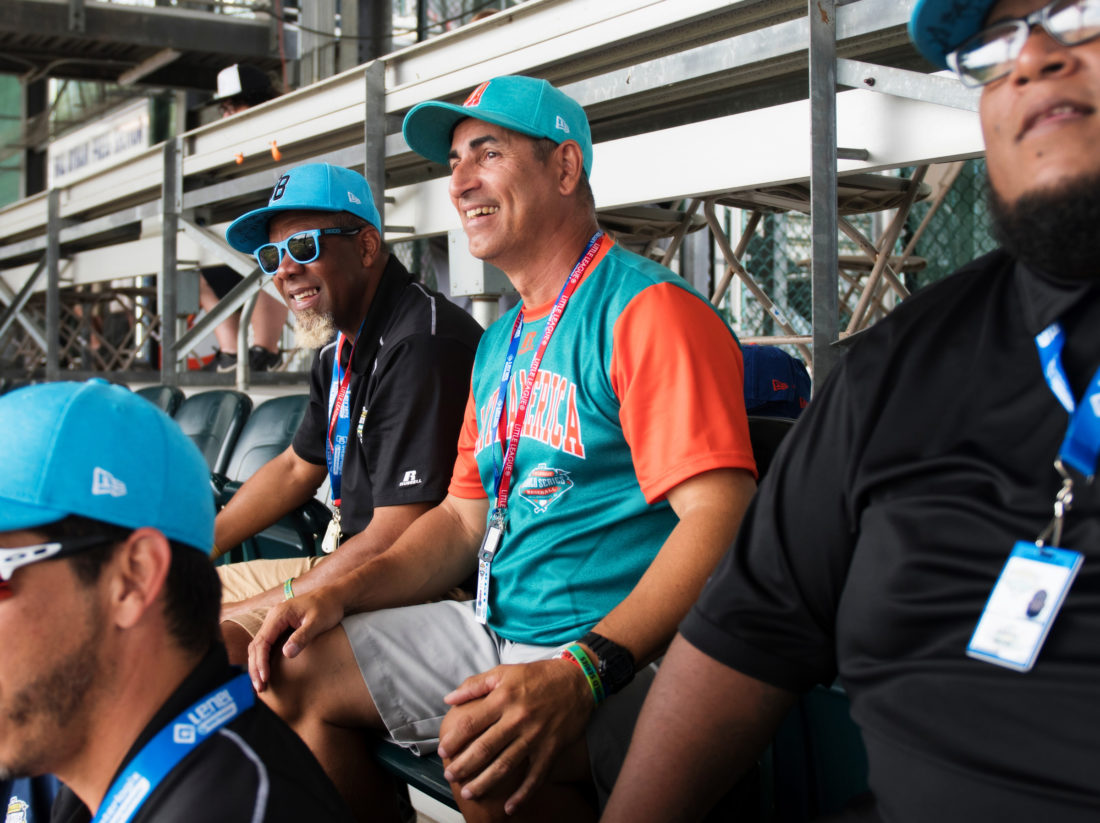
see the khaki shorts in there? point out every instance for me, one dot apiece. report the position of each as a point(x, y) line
point(412, 656)
point(243, 580)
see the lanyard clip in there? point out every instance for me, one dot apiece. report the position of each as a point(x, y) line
point(1062, 503)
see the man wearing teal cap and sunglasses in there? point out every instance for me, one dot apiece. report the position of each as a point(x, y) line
point(603, 467)
point(112, 675)
point(930, 532)
point(386, 395)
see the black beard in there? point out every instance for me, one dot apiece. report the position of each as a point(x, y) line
point(1054, 230)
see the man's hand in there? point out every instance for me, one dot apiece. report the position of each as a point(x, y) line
point(308, 616)
point(511, 719)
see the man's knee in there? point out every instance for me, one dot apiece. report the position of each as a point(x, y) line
point(236, 639)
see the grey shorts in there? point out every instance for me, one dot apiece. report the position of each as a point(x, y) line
point(412, 656)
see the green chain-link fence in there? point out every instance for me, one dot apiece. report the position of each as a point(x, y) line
point(777, 255)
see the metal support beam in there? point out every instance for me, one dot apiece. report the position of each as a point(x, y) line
point(53, 285)
point(16, 302)
point(374, 134)
point(171, 205)
point(928, 88)
point(823, 213)
point(76, 16)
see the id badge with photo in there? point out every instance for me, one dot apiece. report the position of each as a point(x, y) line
point(1023, 605)
point(488, 550)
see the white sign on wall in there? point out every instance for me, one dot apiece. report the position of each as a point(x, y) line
point(104, 142)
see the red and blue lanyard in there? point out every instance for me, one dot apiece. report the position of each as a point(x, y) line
point(336, 443)
point(170, 745)
point(1081, 445)
point(502, 474)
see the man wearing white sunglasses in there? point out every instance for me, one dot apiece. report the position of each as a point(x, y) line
point(387, 388)
point(930, 532)
point(112, 675)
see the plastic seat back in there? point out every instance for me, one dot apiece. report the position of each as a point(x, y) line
point(269, 430)
point(165, 398)
point(213, 420)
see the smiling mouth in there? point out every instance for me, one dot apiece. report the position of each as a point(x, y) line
point(1062, 110)
point(480, 211)
point(304, 295)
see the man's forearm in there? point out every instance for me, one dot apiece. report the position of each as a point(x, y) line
point(281, 485)
point(435, 554)
point(710, 507)
point(702, 726)
point(385, 527)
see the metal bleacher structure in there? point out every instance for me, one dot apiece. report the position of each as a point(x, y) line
point(687, 99)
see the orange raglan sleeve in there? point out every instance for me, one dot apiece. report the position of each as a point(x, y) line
point(466, 479)
point(679, 377)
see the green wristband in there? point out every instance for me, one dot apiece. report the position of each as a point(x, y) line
point(578, 655)
point(288, 589)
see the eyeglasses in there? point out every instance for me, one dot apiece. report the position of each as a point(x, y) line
point(12, 559)
point(991, 53)
point(303, 247)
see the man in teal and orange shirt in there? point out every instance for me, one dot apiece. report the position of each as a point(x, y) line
point(604, 465)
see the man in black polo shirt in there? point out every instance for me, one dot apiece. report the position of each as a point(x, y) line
point(906, 537)
point(112, 675)
point(404, 359)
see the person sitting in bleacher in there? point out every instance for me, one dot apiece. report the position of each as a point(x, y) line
point(923, 522)
point(386, 395)
point(592, 509)
point(112, 675)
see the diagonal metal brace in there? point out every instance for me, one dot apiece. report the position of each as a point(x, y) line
point(16, 303)
point(253, 281)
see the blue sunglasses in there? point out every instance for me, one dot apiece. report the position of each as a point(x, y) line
point(303, 247)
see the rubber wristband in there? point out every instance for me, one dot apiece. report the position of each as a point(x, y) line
point(288, 589)
point(578, 655)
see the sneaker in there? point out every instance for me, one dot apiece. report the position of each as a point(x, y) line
point(260, 359)
point(222, 362)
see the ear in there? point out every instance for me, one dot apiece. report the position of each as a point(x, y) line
point(570, 160)
point(139, 569)
point(370, 245)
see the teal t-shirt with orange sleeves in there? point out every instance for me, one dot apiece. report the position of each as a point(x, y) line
point(640, 388)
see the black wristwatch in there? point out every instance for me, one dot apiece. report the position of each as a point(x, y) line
point(616, 664)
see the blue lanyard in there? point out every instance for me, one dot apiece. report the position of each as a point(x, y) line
point(336, 440)
point(1081, 445)
point(502, 473)
point(170, 745)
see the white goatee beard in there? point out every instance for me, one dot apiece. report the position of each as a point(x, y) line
point(312, 330)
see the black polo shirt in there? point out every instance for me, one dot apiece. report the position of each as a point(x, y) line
point(410, 380)
point(881, 528)
point(254, 769)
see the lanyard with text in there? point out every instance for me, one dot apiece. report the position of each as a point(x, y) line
point(1081, 445)
point(502, 475)
point(1037, 575)
point(336, 442)
point(170, 745)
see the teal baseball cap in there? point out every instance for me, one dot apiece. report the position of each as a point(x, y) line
point(938, 27)
point(312, 187)
point(102, 452)
point(524, 104)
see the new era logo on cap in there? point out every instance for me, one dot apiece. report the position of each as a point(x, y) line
point(353, 199)
point(561, 125)
point(103, 482)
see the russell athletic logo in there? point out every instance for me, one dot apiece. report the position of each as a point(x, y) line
point(411, 478)
point(543, 486)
